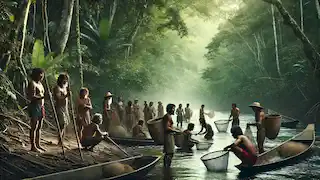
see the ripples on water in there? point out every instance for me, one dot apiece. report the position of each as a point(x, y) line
point(188, 166)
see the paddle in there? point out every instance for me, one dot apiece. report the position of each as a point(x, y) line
point(114, 143)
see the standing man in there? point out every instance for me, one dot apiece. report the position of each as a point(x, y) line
point(180, 114)
point(146, 112)
point(36, 108)
point(160, 109)
point(168, 145)
point(107, 110)
point(61, 93)
point(188, 113)
point(259, 117)
point(136, 111)
point(121, 109)
point(201, 114)
point(235, 112)
point(152, 111)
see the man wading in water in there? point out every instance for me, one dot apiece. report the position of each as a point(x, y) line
point(61, 93)
point(160, 109)
point(235, 112)
point(180, 114)
point(36, 108)
point(168, 145)
point(259, 117)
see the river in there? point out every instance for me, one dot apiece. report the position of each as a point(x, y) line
point(188, 166)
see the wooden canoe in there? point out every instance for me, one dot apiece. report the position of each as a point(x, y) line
point(142, 166)
point(280, 155)
point(289, 124)
point(133, 141)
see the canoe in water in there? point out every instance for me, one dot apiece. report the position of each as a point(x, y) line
point(288, 152)
point(133, 141)
point(124, 169)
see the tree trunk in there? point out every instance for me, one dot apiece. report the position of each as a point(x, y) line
point(301, 15)
point(78, 41)
point(310, 51)
point(134, 33)
point(317, 7)
point(113, 10)
point(275, 40)
point(64, 26)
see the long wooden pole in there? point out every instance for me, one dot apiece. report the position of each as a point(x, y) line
point(55, 114)
point(114, 143)
point(74, 121)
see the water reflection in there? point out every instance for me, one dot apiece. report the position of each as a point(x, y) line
point(188, 166)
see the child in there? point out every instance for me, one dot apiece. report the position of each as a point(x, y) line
point(242, 147)
point(92, 135)
point(188, 142)
point(84, 107)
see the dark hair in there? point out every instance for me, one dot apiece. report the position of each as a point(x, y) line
point(140, 122)
point(82, 90)
point(35, 73)
point(188, 105)
point(236, 130)
point(169, 107)
point(202, 105)
point(129, 103)
point(234, 104)
point(61, 78)
point(180, 104)
point(190, 126)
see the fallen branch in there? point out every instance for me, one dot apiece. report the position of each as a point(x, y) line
point(16, 120)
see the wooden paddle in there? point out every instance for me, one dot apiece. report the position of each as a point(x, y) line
point(114, 143)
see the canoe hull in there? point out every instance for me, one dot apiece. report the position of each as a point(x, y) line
point(133, 141)
point(290, 124)
point(307, 137)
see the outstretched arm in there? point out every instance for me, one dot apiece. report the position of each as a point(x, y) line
point(236, 143)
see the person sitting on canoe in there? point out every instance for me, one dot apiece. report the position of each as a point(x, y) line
point(243, 148)
point(91, 134)
point(235, 112)
point(259, 117)
point(208, 132)
point(137, 131)
point(188, 142)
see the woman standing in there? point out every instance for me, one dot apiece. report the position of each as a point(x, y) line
point(84, 107)
point(129, 116)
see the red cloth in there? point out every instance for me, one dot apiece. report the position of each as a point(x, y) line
point(252, 159)
point(43, 112)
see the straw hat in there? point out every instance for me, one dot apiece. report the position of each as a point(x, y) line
point(108, 94)
point(256, 104)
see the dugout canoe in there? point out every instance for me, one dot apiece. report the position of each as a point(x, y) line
point(142, 166)
point(133, 141)
point(284, 154)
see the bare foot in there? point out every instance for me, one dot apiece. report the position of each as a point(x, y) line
point(41, 148)
point(34, 149)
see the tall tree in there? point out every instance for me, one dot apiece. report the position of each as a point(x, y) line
point(301, 15)
point(275, 40)
point(78, 41)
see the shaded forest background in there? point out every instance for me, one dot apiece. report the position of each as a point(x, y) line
point(154, 50)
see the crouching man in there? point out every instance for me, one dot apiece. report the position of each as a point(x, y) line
point(91, 134)
point(243, 148)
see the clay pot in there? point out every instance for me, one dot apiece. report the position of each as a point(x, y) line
point(272, 124)
point(156, 130)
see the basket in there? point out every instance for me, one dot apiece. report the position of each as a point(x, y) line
point(178, 139)
point(222, 125)
point(216, 161)
point(156, 131)
point(203, 145)
point(272, 125)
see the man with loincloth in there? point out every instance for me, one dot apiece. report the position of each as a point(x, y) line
point(36, 108)
point(61, 93)
point(91, 134)
point(151, 111)
point(168, 145)
point(188, 113)
point(160, 109)
point(201, 115)
point(137, 131)
point(235, 112)
point(243, 148)
point(136, 111)
point(259, 117)
point(180, 115)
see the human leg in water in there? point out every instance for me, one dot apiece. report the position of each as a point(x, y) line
point(167, 160)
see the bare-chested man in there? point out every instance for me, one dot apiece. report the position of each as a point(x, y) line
point(160, 109)
point(259, 117)
point(168, 145)
point(243, 148)
point(137, 130)
point(180, 115)
point(36, 108)
point(136, 111)
point(235, 112)
point(91, 134)
point(152, 111)
point(61, 93)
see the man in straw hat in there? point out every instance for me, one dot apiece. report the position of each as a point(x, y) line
point(259, 117)
point(91, 134)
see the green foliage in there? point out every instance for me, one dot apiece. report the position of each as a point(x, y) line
point(104, 29)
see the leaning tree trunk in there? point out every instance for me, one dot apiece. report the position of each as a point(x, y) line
point(301, 15)
point(317, 2)
point(113, 10)
point(78, 41)
point(275, 40)
point(64, 26)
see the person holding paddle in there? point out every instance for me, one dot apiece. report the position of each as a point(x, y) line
point(259, 117)
point(243, 148)
point(92, 135)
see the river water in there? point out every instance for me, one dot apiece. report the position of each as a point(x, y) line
point(188, 166)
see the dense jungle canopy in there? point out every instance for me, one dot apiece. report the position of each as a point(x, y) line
point(215, 52)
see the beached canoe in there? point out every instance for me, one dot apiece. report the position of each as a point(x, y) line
point(141, 165)
point(289, 152)
point(133, 141)
point(290, 124)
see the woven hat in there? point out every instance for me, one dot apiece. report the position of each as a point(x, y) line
point(256, 104)
point(108, 94)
